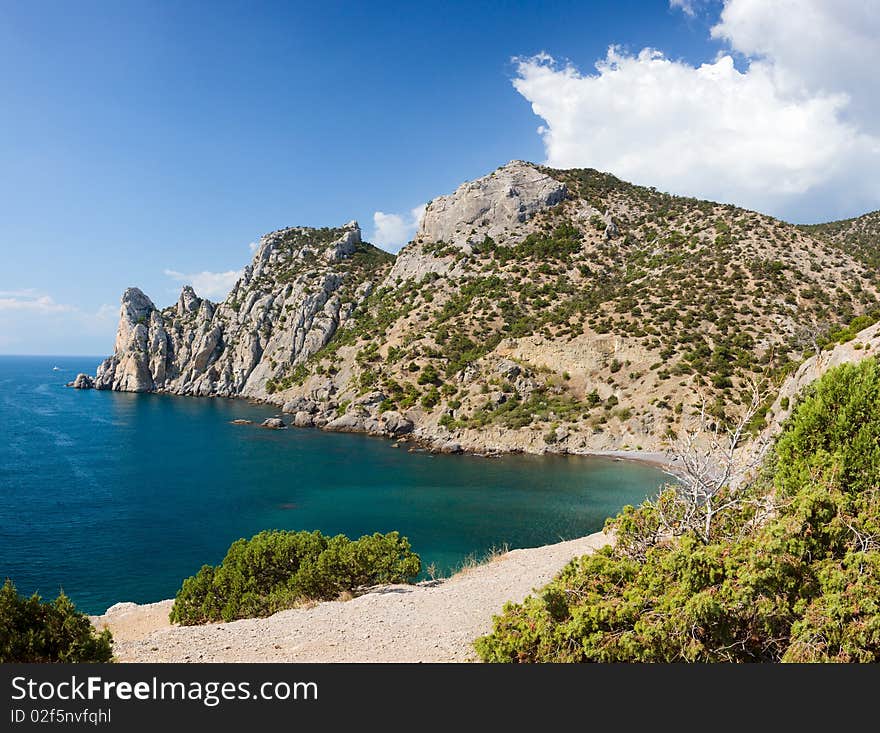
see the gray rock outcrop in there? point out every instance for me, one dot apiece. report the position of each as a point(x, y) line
point(82, 381)
point(497, 205)
point(611, 230)
point(300, 404)
point(490, 206)
point(396, 424)
point(347, 423)
point(303, 419)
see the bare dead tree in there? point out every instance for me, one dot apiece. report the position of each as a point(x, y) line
point(808, 335)
point(713, 465)
point(863, 538)
point(865, 541)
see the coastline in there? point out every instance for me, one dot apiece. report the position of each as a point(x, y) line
point(424, 438)
point(475, 442)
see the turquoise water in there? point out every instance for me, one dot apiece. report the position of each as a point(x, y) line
point(117, 497)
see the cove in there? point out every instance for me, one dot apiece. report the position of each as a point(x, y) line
point(118, 497)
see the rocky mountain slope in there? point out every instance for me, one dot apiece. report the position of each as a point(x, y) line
point(536, 310)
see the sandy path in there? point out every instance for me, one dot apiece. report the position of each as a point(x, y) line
point(431, 622)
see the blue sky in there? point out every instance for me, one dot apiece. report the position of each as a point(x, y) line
point(142, 139)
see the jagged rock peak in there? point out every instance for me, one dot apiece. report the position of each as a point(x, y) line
point(136, 301)
point(295, 249)
point(498, 205)
point(140, 349)
point(188, 302)
point(328, 243)
point(491, 205)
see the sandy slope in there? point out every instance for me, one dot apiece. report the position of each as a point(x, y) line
point(430, 622)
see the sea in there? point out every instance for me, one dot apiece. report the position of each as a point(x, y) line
point(118, 497)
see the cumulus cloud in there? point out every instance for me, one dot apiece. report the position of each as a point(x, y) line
point(31, 301)
point(212, 285)
point(777, 136)
point(392, 231)
point(825, 45)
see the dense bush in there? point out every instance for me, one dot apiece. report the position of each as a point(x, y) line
point(275, 570)
point(803, 585)
point(33, 631)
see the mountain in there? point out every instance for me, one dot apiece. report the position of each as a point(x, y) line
point(535, 310)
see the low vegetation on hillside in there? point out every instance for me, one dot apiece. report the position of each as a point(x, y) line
point(789, 572)
point(707, 298)
point(32, 630)
point(275, 570)
point(858, 237)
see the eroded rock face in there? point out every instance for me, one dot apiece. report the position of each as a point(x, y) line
point(287, 305)
point(141, 348)
point(490, 206)
point(497, 206)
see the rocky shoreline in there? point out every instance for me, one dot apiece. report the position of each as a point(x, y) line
point(306, 413)
point(394, 426)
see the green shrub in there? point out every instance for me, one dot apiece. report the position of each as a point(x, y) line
point(429, 376)
point(843, 335)
point(277, 569)
point(33, 631)
point(800, 585)
point(431, 398)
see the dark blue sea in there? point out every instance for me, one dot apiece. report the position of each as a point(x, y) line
point(118, 497)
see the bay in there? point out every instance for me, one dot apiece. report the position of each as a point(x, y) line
point(118, 497)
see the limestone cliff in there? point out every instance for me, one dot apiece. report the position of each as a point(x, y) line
point(301, 286)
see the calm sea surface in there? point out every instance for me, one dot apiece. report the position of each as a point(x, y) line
point(117, 497)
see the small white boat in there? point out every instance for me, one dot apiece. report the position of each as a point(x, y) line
point(56, 369)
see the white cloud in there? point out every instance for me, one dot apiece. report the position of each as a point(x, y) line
point(252, 246)
point(212, 285)
point(29, 300)
point(825, 45)
point(107, 311)
point(688, 7)
point(770, 137)
point(33, 322)
point(392, 231)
